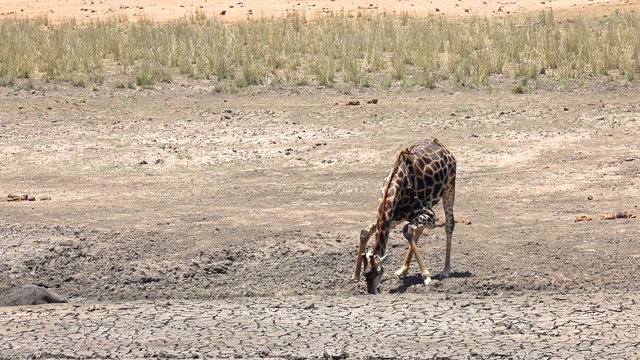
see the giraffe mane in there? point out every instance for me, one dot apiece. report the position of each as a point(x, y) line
point(382, 209)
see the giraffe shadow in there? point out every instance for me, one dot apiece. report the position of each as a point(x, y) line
point(416, 280)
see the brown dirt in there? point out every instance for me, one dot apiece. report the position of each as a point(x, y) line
point(197, 214)
point(84, 10)
point(175, 193)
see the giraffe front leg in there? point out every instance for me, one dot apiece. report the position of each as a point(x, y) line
point(365, 234)
point(409, 233)
point(405, 265)
point(412, 232)
point(407, 260)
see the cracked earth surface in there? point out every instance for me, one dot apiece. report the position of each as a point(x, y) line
point(575, 326)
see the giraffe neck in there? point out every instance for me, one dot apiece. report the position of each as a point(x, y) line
point(390, 197)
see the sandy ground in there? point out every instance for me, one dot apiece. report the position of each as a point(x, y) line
point(240, 10)
point(183, 223)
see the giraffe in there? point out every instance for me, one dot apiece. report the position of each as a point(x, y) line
point(423, 174)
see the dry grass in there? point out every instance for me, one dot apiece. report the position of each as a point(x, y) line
point(364, 51)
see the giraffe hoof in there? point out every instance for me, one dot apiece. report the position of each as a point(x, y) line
point(426, 279)
point(444, 275)
point(401, 272)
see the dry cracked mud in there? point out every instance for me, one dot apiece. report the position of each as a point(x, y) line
point(412, 326)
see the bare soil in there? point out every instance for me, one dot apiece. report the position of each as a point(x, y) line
point(232, 10)
point(181, 194)
point(177, 192)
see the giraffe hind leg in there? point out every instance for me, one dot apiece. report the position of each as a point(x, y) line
point(448, 200)
point(365, 235)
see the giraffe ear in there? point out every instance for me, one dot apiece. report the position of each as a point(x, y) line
point(372, 260)
point(381, 261)
point(365, 260)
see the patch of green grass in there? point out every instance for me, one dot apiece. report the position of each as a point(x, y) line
point(7, 80)
point(387, 82)
point(324, 70)
point(183, 155)
point(251, 75)
point(345, 89)
point(521, 88)
point(301, 81)
point(362, 51)
point(78, 80)
point(24, 84)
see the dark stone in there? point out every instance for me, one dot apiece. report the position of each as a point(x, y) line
point(28, 295)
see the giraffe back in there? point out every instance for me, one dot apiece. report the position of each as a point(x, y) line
point(431, 170)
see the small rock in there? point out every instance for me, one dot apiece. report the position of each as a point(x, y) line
point(28, 295)
point(14, 197)
point(582, 218)
point(45, 198)
point(353, 102)
point(463, 221)
point(624, 215)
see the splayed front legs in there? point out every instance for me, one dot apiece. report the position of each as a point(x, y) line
point(412, 232)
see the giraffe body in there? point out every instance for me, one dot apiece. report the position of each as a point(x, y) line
point(422, 175)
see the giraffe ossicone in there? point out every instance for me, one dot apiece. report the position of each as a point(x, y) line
point(422, 175)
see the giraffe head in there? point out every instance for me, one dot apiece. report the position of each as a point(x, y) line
point(373, 270)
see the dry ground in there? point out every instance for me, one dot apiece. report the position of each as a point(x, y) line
point(177, 194)
point(84, 10)
point(184, 223)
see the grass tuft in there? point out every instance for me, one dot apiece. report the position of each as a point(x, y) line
point(361, 51)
